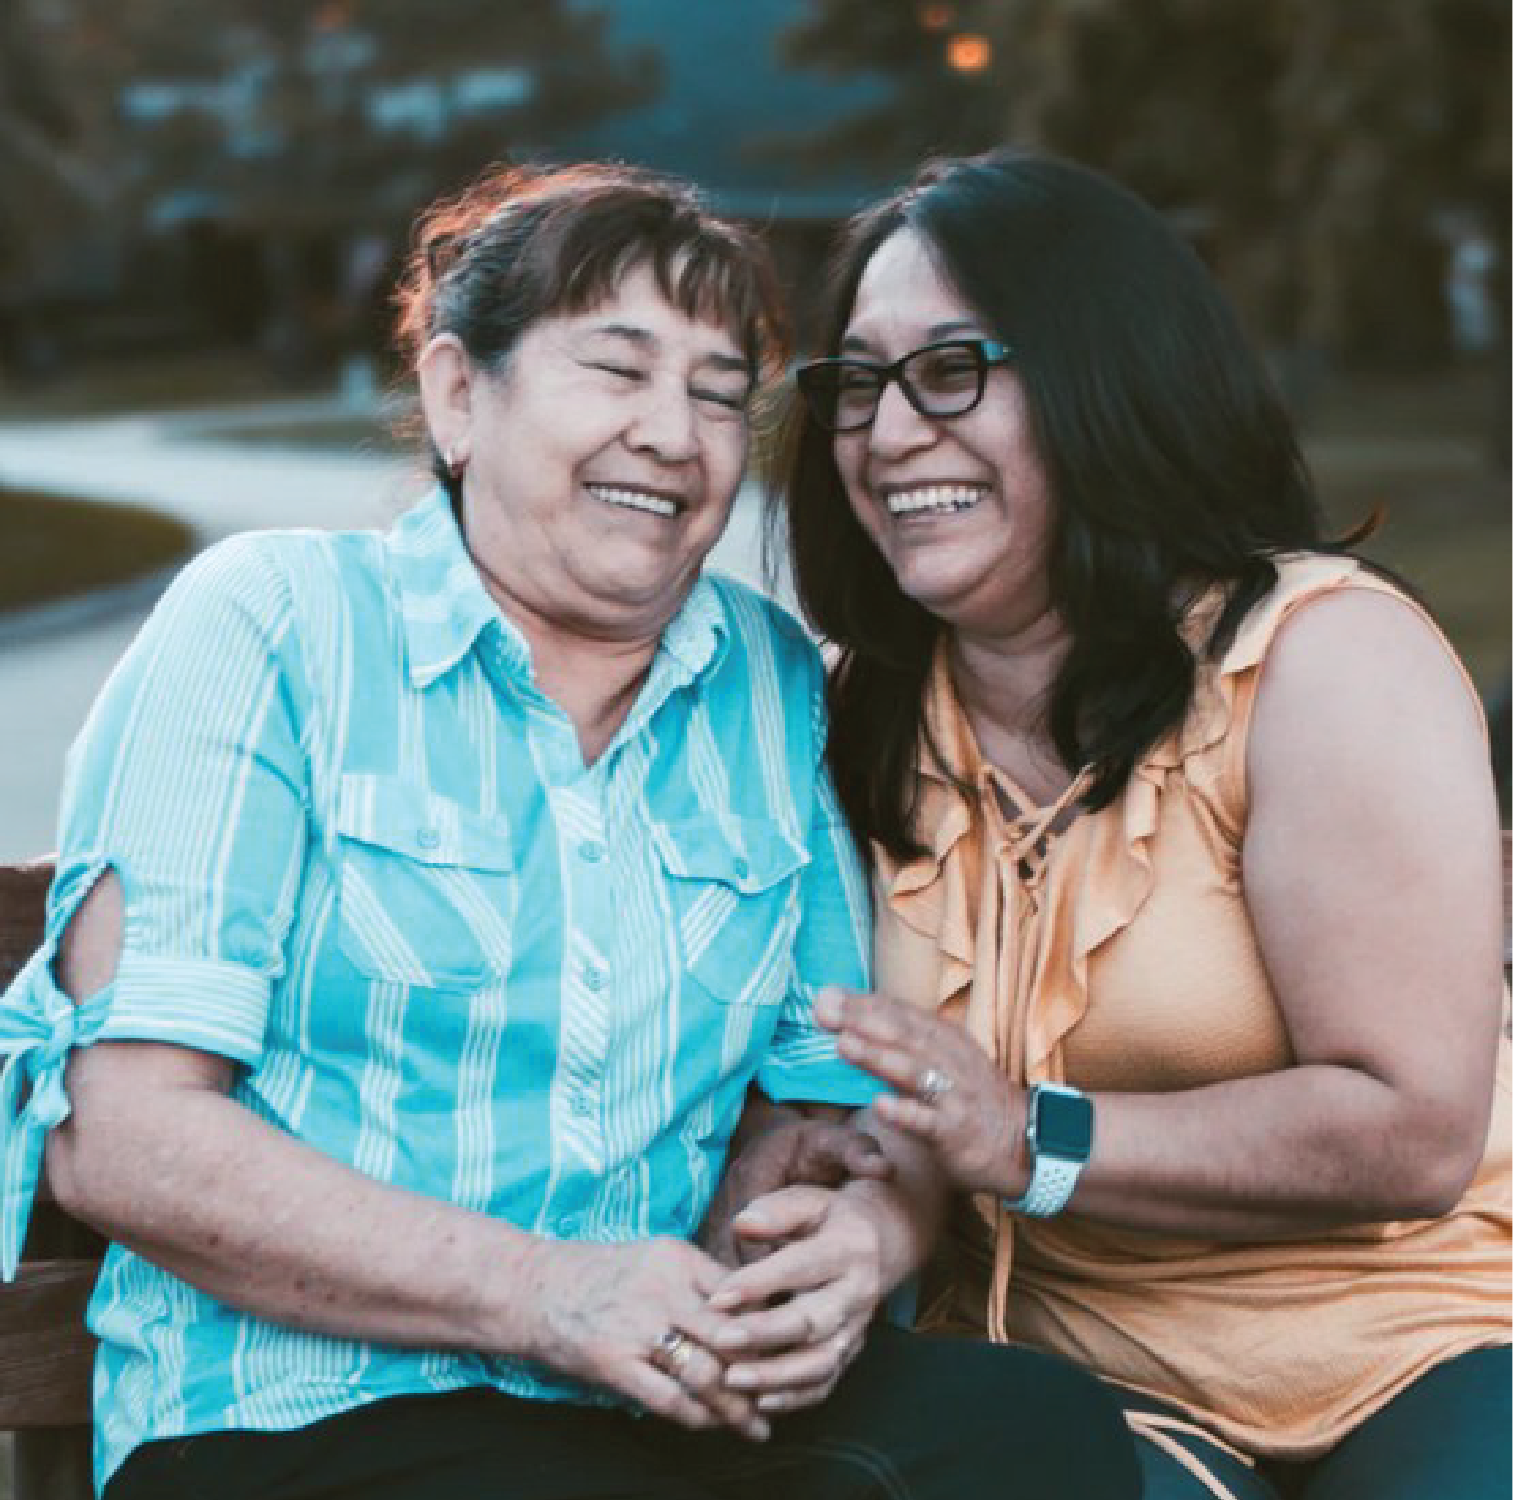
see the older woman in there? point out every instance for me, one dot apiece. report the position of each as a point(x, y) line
point(431, 900)
point(1186, 852)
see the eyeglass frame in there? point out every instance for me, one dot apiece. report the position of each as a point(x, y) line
point(989, 353)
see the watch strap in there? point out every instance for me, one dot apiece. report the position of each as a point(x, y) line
point(1051, 1185)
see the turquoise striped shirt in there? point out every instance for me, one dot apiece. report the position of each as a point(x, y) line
point(362, 858)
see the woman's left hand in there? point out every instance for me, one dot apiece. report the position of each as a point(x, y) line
point(950, 1094)
point(804, 1308)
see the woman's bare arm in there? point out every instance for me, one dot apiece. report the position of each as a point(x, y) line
point(157, 1156)
point(1371, 871)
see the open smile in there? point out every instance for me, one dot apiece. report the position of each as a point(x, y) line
point(933, 499)
point(650, 502)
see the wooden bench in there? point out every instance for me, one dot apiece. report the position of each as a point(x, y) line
point(46, 1354)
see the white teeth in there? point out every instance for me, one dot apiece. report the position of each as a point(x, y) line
point(934, 497)
point(657, 505)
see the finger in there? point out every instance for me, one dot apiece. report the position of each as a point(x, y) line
point(715, 1328)
point(779, 1403)
point(925, 1121)
point(659, 1393)
point(865, 1158)
point(790, 1211)
point(800, 1267)
point(897, 1063)
point(700, 1376)
point(831, 1154)
point(876, 1017)
point(803, 1322)
point(777, 1330)
point(819, 1364)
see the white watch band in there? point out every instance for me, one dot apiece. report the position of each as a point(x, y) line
point(1051, 1185)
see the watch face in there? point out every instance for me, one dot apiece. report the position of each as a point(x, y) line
point(1063, 1125)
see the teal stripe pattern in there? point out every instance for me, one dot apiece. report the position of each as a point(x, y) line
point(363, 859)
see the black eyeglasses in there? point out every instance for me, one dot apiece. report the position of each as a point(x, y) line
point(938, 380)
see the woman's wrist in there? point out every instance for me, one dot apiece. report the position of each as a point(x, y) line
point(1012, 1167)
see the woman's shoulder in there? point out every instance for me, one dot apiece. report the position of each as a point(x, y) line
point(1333, 641)
point(759, 622)
point(1344, 611)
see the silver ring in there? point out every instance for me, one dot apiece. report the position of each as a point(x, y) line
point(672, 1352)
point(934, 1085)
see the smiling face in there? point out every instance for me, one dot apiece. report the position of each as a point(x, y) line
point(601, 462)
point(958, 506)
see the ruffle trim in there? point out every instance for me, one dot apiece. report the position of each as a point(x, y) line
point(1103, 862)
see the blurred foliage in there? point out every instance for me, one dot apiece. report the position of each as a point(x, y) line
point(43, 184)
point(321, 115)
point(1319, 151)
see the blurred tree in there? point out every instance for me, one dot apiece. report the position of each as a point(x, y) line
point(1316, 149)
point(43, 183)
point(291, 141)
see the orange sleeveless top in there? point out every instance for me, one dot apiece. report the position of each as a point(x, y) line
point(1118, 955)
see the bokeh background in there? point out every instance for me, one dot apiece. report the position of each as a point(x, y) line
point(202, 207)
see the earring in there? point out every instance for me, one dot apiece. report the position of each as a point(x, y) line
point(455, 465)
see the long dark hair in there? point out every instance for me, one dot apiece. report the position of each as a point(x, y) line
point(1171, 462)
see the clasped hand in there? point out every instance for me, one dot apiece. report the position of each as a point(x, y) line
point(665, 1324)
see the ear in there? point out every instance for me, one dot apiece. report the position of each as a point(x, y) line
point(447, 379)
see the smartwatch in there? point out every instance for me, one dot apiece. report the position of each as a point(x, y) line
point(1058, 1130)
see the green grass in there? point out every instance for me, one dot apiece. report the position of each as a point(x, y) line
point(57, 547)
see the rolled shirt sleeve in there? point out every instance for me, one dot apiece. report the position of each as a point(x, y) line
point(189, 783)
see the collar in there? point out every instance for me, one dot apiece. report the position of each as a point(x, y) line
point(444, 606)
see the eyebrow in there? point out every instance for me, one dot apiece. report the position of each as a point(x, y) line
point(645, 340)
point(933, 334)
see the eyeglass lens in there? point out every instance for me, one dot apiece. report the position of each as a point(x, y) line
point(943, 380)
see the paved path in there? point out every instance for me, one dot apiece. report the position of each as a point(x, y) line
point(183, 465)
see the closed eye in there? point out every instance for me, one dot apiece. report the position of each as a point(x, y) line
point(734, 401)
point(624, 372)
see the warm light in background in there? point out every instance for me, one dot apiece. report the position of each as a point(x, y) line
point(936, 17)
point(334, 15)
point(968, 52)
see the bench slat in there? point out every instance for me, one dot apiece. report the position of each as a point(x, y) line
point(46, 1355)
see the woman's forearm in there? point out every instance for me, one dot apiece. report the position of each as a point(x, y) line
point(204, 1188)
point(1276, 1155)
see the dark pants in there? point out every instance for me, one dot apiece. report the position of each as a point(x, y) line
point(913, 1419)
point(1444, 1438)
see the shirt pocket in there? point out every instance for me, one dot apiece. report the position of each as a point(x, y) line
point(735, 896)
point(426, 888)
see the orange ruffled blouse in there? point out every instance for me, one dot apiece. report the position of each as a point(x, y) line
point(1118, 955)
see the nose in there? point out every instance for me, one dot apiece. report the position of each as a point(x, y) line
point(897, 428)
point(666, 425)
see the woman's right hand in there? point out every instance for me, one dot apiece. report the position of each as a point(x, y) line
point(634, 1319)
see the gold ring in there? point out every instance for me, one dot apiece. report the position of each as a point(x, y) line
point(672, 1352)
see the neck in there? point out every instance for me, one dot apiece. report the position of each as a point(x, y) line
point(593, 675)
point(1006, 679)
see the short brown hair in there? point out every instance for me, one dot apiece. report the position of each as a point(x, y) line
point(521, 244)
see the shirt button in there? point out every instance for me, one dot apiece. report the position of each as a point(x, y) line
point(429, 838)
point(595, 977)
point(591, 851)
point(581, 1104)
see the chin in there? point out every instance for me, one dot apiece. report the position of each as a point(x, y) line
point(942, 594)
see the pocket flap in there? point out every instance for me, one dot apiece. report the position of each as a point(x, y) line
point(392, 813)
point(747, 854)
